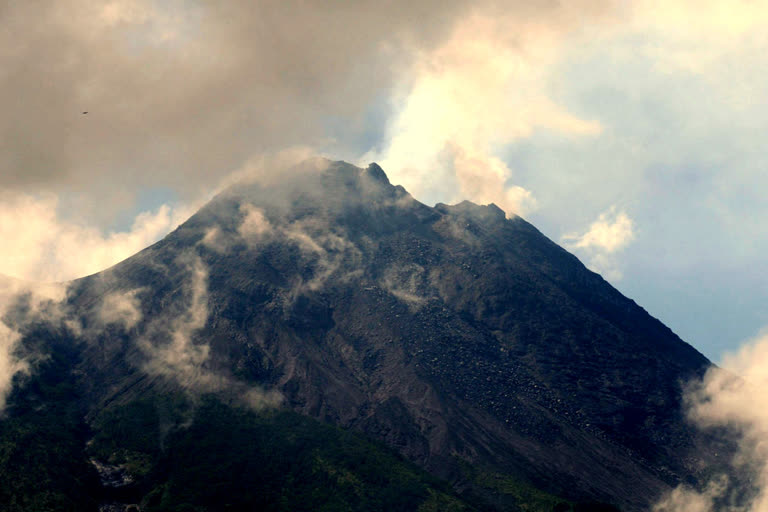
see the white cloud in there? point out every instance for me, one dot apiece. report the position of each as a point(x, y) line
point(713, 19)
point(41, 301)
point(609, 234)
point(255, 224)
point(180, 93)
point(327, 252)
point(612, 231)
point(685, 499)
point(176, 355)
point(734, 398)
point(484, 179)
point(121, 308)
point(10, 364)
point(40, 246)
point(272, 167)
point(482, 88)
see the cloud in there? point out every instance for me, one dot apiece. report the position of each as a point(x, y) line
point(255, 224)
point(734, 400)
point(482, 88)
point(10, 364)
point(324, 248)
point(174, 350)
point(446, 95)
point(678, 89)
point(684, 499)
point(484, 179)
point(40, 302)
point(254, 228)
point(325, 251)
point(612, 231)
point(41, 246)
point(121, 308)
point(710, 19)
point(609, 234)
point(269, 168)
point(407, 283)
point(257, 398)
point(179, 93)
point(216, 240)
point(171, 349)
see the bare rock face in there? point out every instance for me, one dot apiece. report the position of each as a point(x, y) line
point(453, 334)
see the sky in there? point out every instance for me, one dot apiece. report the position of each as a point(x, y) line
point(630, 132)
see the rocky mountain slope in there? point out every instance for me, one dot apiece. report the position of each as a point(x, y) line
point(470, 343)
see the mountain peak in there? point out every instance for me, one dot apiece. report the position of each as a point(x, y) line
point(377, 173)
point(489, 212)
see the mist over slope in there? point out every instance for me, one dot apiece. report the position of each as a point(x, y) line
point(466, 340)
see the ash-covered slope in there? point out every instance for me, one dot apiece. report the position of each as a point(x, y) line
point(471, 343)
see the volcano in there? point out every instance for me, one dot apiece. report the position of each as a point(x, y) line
point(326, 319)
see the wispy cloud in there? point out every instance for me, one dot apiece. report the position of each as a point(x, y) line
point(180, 93)
point(121, 308)
point(255, 224)
point(608, 235)
point(174, 349)
point(170, 346)
point(10, 363)
point(408, 283)
point(41, 302)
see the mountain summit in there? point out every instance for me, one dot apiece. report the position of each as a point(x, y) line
point(467, 341)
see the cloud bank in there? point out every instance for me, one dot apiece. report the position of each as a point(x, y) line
point(483, 87)
point(41, 246)
point(180, 93)
point(732, 399)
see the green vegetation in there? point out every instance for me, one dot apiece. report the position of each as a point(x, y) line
point(527, 497)
point(515, 494)
point(511, 492)
point(200, 455)
point(229, 458)
point(42, 461)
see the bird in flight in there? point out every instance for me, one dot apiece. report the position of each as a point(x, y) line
point(85, 112)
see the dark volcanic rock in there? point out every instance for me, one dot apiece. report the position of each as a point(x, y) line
point(451, 333)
